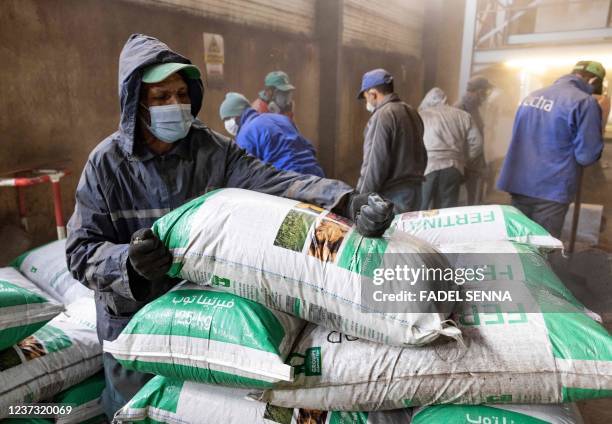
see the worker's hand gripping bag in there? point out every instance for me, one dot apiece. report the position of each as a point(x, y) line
point(509, 354)
point(207, 335)
point(164, 400)
point(59, 355)
point(498, 414)
point(24, 308)
point(475, 224)
point(302, 260)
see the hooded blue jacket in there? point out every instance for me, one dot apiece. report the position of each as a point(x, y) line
point(274, 139)
point(125, 187)
point(556, 129)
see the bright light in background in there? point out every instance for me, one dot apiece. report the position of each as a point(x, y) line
point(539, 65)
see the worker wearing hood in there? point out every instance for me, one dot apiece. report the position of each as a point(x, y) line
point(451, 139)
point(161, 157)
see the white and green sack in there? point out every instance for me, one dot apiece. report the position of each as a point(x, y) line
point(46, 267)
point(85, 400)
point(506, 357)
point(470, 224)
point(169, 401)
point(201, 334)
point(24, 308)
point(498, 414)
point(299, 259)
point(59, 355)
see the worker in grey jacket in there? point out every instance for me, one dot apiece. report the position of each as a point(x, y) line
point(452, 139)
point(394, 157)
point(161, 157)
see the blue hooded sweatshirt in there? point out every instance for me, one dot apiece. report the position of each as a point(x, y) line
point(274, 139)
point(556, 129)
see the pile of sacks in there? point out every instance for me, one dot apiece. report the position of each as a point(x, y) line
point(49, 349)
point(271, 314)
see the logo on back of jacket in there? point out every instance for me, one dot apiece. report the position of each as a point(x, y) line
point(539, 102)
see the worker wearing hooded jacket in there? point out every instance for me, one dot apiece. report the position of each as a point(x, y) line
point(161, 157)
point(394, 156)
point(556, 130)
point(271, 137)
point(451, 138)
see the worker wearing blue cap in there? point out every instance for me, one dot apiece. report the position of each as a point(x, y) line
point(394, 156)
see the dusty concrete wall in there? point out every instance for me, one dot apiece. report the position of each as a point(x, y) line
point(407, 73)
point(59, 81)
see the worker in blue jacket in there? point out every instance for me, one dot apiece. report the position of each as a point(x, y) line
point(272, 138)
point(556, 130)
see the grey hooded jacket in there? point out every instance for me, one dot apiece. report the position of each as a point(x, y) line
point(125, 187)
point(393, 150)
point(451, 136)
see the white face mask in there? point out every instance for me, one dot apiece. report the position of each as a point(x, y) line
point(370, 107)
point(231, 126)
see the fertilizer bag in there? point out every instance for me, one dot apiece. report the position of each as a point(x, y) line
point(299, 259)
point(24, 308)
point(85, 399)
point(46, 267)
point(506, 356)
point(202, 334)
point(482, 223)
point(164, 400)
point(498, 414)
point(59, 355)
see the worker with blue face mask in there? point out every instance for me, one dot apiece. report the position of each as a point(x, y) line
point(160, 157)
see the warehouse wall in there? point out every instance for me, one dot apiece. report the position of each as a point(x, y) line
point(59, 81)
point(59, 77)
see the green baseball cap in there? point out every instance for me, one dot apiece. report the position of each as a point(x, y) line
point(591, 66)
point(278, 80)
point(233, 105)
point(161, 71)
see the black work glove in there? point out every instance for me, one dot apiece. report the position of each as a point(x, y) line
point(371, 213)
point(148, 256)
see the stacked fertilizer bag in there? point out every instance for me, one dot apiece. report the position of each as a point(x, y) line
point(273, 311)
point(49, 350)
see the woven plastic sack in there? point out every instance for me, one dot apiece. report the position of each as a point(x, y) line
point(299, 259)
point(469, 224)
point(197, 333)
point(498, 414)
point(169, 401)
point(85, 400)
point(506, 357)
point(24, 308)
point(46, 267)
point(59, 355)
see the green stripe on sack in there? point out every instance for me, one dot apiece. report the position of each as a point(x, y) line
point(13, 295)
point(198, 374)
point(345, 417)
point(53, 338)
point(461, 414)
point(519, 226)
point(174, 228)
point(159, 392)
point(362, 255)
point(576, 336)
point(10, 336)
point(210, 315)
point(84, 392)
point(574, 394)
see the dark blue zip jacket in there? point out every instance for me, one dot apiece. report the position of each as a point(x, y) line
point(556, 129)
point(274, 139)
point(125, 187)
